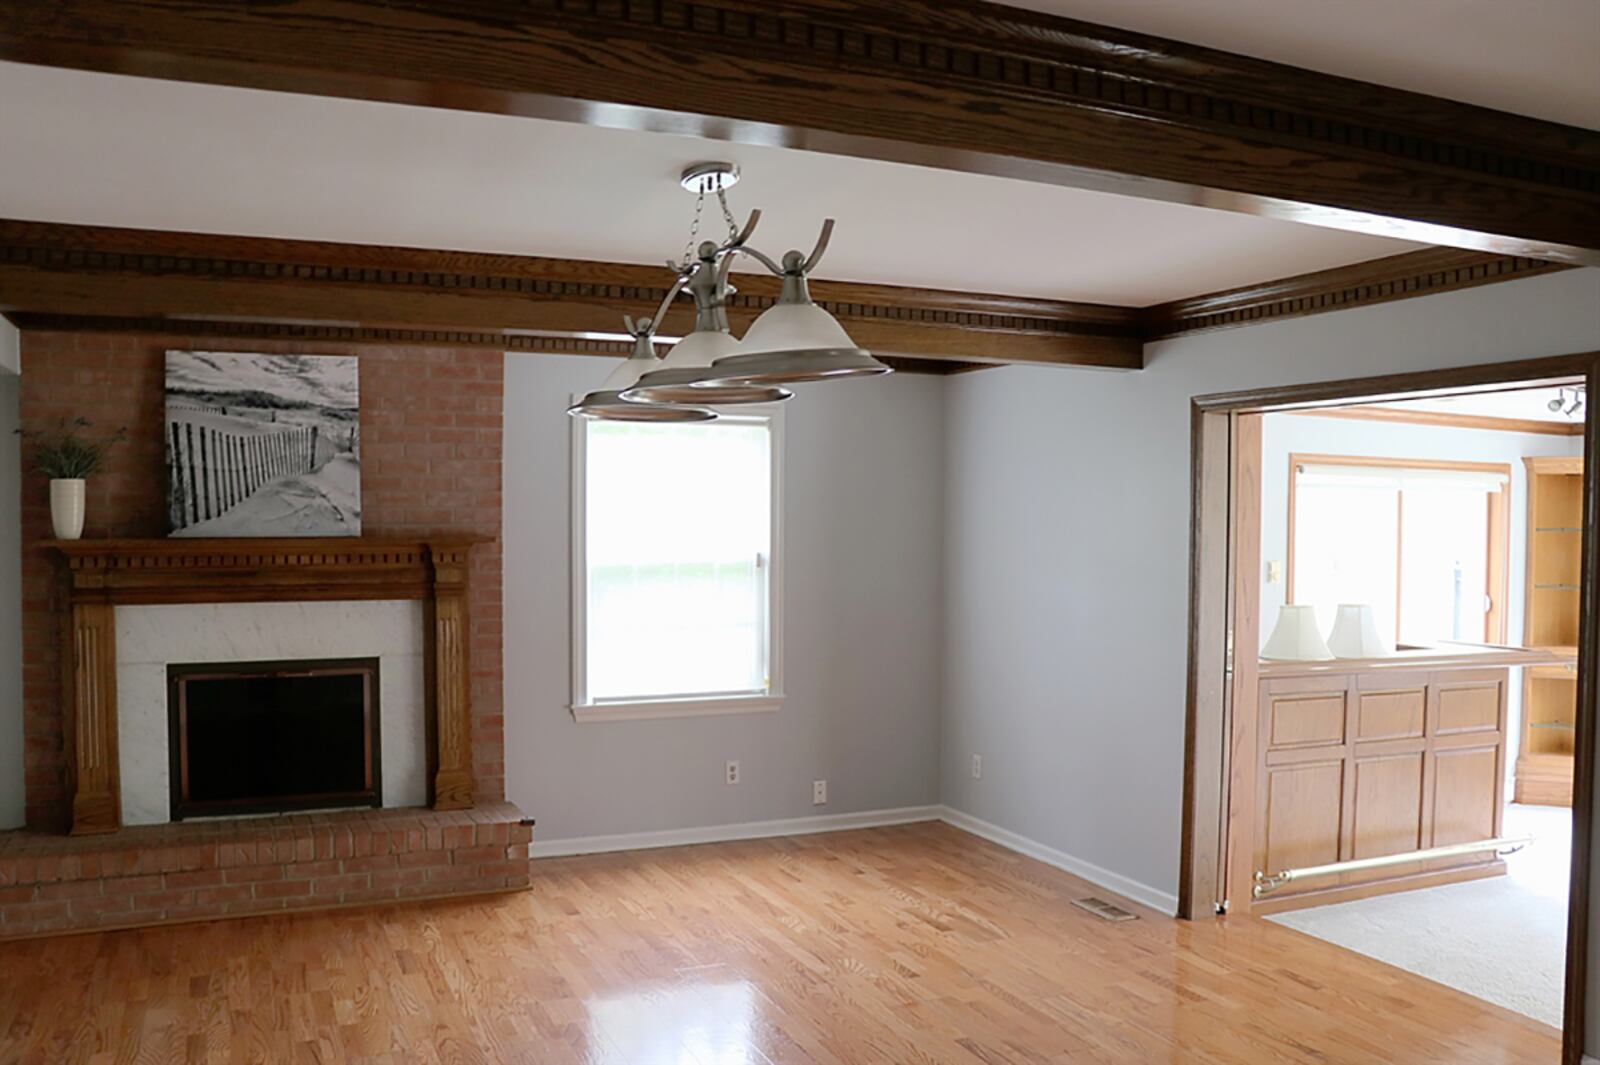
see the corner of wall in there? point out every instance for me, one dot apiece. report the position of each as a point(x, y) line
point(12, 801)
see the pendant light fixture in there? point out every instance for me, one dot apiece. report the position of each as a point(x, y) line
point(606, 402)
point(794, 340)
point(684, 375)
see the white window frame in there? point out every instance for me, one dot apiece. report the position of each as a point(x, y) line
point(585, 709)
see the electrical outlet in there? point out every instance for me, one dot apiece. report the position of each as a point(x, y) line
point(819, 792)
point(977, 767)
point(733, 772)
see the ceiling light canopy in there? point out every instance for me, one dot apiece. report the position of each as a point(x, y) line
point(795, 340)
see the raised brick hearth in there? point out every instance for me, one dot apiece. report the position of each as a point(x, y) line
point(199, 870)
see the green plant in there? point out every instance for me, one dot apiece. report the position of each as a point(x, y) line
point(63, 453)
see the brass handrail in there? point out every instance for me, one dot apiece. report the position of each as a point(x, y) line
point(1269, 882)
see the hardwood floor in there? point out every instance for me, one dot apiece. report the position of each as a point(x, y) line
point(910, 945)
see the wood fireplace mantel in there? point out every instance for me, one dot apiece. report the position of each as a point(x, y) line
point(103, 574)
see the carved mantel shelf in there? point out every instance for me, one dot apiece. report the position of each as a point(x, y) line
point(103, 574)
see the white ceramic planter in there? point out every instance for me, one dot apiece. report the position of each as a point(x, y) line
point(66, 508)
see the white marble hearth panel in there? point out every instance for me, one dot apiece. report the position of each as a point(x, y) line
point(149, 638)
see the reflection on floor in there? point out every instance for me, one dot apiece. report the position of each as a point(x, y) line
point(916, 945)
point(1502, 939)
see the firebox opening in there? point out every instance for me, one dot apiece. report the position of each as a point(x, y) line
point(260, 737)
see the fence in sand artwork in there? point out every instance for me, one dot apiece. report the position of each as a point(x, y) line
point(262, 445)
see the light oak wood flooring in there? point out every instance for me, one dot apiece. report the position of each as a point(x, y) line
point(911, 945)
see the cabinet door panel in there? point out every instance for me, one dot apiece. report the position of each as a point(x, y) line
point(1301, 721)
point(1469, 709)
point(1303, 815)
point(1388, 809)
point(1465, 794)
point(1390, 715)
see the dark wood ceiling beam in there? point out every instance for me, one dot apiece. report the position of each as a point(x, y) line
point(1396, 277)
point(313, 333)
point(90, 272)
point(953, 83)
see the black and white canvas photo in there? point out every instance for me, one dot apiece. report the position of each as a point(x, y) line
point(263, 445)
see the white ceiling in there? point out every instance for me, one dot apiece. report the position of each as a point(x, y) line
point(1530, 57)
point(1524, 404)
point(105, 149)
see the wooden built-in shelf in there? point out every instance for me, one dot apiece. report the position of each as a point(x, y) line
point(103, 574)
point(1550, 692)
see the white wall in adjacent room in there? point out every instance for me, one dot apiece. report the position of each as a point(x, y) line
point(11, 766)
point(864, 480)
point(1067, 536)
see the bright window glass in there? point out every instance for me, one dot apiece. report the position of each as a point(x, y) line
point(677, 558)
point(1412, 543)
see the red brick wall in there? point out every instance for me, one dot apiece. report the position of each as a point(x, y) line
point(430, 463)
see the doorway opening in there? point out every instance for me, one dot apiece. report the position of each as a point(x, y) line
point(1392, 693)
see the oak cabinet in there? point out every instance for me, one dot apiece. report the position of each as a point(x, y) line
point(1367, 764)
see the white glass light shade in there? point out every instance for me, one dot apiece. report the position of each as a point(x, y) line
point(796, 342)
point(684, 376)
point(1355, 633)
point(606, 402)
point(1295, 637)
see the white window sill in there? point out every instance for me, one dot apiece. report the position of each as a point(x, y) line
point(698, 706)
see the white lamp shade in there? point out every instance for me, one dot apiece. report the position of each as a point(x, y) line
point(685, 375)
point(606, 403)
point(1296, 638)
point(793, 343)
point(794, 327)
point(699, 349)
point(1355, 633)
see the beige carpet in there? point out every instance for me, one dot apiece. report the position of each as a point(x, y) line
point(1502, 939)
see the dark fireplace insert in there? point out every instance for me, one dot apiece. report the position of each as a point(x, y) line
point(262, 737)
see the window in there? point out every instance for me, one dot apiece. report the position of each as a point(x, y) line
point(675, 569)
point(1423, 542)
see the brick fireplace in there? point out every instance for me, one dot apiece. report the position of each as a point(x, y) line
point(431, 429)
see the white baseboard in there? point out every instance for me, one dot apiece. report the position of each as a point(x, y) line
point(800, 826)
point(679, 837)
point(1587, 1060)
point(1114, 882)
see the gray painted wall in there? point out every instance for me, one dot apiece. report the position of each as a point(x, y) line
point(1067, 529)
point(864, 480)
point(11, 797)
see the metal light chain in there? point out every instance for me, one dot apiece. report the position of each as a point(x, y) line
point(727, 215)
point(694, 227)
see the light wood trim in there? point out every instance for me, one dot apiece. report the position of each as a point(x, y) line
point(91, 720)
point(1243, 703)
point(1199, 869)
point(1424, 272)
point(102, 574)
point(55, 275)
point(61, 277)
point(1446, 420)
point(1497, 549)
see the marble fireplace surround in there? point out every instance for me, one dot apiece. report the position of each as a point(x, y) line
point(150, 638)
point(317, 584)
